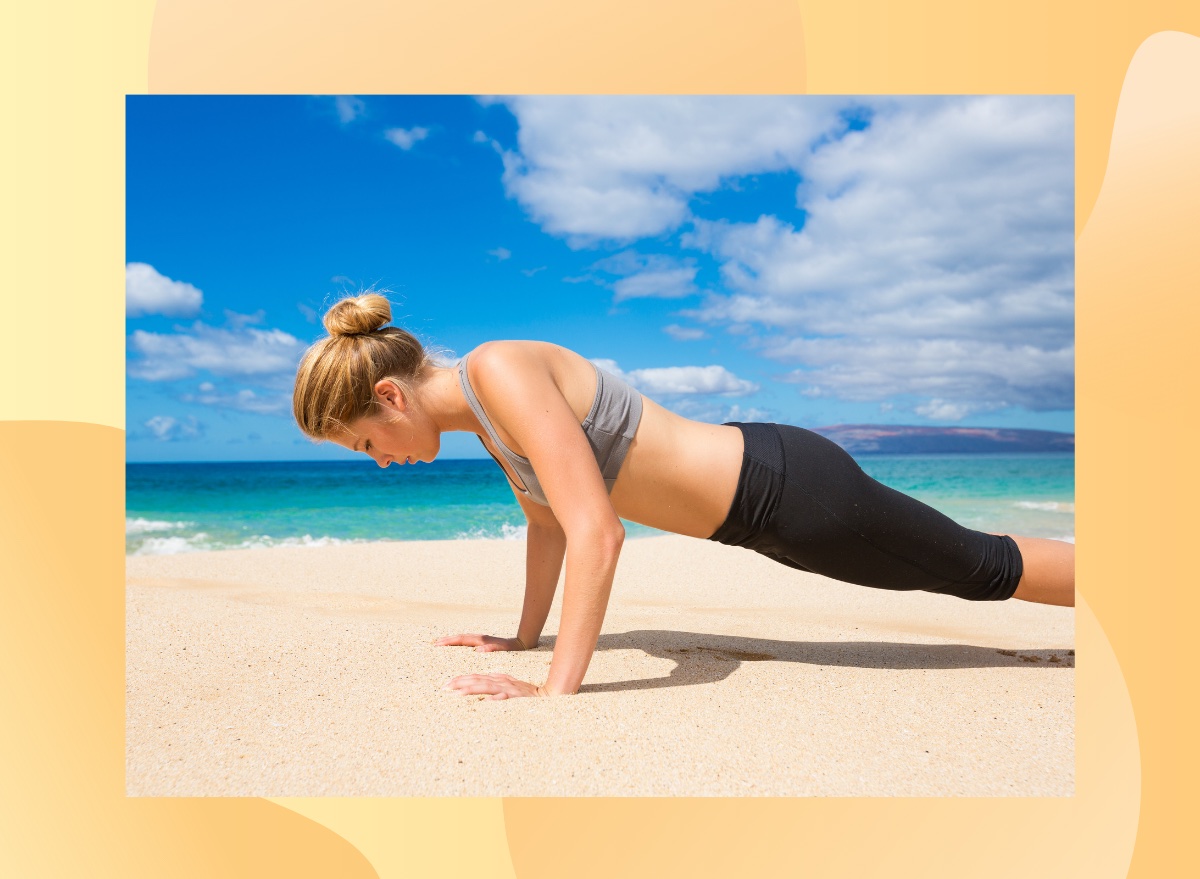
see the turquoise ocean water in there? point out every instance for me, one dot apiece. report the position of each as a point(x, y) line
point(204, 506)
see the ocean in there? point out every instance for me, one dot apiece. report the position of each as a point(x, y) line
point(191, 507)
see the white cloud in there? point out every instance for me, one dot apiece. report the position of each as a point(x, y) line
point(160, 425)
point(645, 276)
point(148, 292)
point(245, 400)
point(815, 283)
point(947, 201)
point(716, 412)
point(238, 321)
point(349, 107)
point(669, 380)
point(166, 429)
point(665, 284)
point(501, 253)
point(945, 222)
point(942, 410)
point(684, 334)
point(979, 375)
point(406, 138)
point(529, 273)
point(230, 352)
point(625, 167)
point(750, 413)
point(937, 256)
point(691, 380)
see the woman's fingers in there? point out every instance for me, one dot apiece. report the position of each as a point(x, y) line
point(482, 643)
point(478, 683)
point(496, 686)
point(489, 644)
point(474, 685)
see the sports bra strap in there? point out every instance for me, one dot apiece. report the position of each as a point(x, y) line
point(477, 408)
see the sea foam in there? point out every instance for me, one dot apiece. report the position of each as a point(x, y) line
point(1048, 506)
point(202, 541)
point(507, 532)
point(139, 525)
point(172, 545)
point(264, 541)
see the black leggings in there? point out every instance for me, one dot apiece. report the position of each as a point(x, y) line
point(804, 502)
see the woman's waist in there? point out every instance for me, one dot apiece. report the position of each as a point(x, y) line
point(679, 475)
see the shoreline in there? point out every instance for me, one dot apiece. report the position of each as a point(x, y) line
point(510, 534)
point(307, 671)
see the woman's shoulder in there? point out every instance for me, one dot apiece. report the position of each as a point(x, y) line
point(523, 369)
point(507, 356)
point(502, 349)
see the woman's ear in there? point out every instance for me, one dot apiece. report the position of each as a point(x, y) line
point(390, 393)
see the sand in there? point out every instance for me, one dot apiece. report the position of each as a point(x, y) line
point(308, 671)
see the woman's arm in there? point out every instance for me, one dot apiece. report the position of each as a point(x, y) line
point(592, 557)
point(520, 395)
point(545, 546)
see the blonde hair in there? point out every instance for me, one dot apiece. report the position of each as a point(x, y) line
point(335, 382)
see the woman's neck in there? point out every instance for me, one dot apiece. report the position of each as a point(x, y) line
point(441, 397)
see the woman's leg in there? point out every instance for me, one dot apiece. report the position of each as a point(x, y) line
point(805, 502)
point(1049, 571)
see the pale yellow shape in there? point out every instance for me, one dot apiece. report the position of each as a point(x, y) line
point(1104, 816)
point(417, 837)
point(1158, 117)
point(62, 226)
point(1138, 279)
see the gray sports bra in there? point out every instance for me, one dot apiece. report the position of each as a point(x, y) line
point(609, 427)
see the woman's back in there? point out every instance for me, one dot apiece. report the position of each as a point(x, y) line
point(678, 475)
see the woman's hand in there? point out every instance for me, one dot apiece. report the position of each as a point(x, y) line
point(481, 643)
point(493, 686)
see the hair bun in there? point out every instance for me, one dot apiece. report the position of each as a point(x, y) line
point(357, 315)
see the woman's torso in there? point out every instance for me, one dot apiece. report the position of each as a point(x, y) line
point(678, 475)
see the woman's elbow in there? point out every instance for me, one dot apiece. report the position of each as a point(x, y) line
point(605, 539)
point(614, 537)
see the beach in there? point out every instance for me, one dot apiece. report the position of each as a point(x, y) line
point(308, 670)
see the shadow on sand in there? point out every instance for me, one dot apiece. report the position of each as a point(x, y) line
point(702, 659)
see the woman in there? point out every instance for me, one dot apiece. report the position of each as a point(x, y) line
point(582, 449)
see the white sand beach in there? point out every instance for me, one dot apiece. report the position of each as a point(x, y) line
point(308, 671)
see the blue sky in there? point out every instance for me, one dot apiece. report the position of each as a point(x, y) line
point(798, 259)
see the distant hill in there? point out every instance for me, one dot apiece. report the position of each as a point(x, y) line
point(899, 439)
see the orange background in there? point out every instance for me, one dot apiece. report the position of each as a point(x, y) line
point(69, 64)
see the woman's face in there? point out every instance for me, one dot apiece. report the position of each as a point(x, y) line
point(395, 433)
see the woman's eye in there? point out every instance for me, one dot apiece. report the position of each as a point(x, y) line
point(367, 446)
